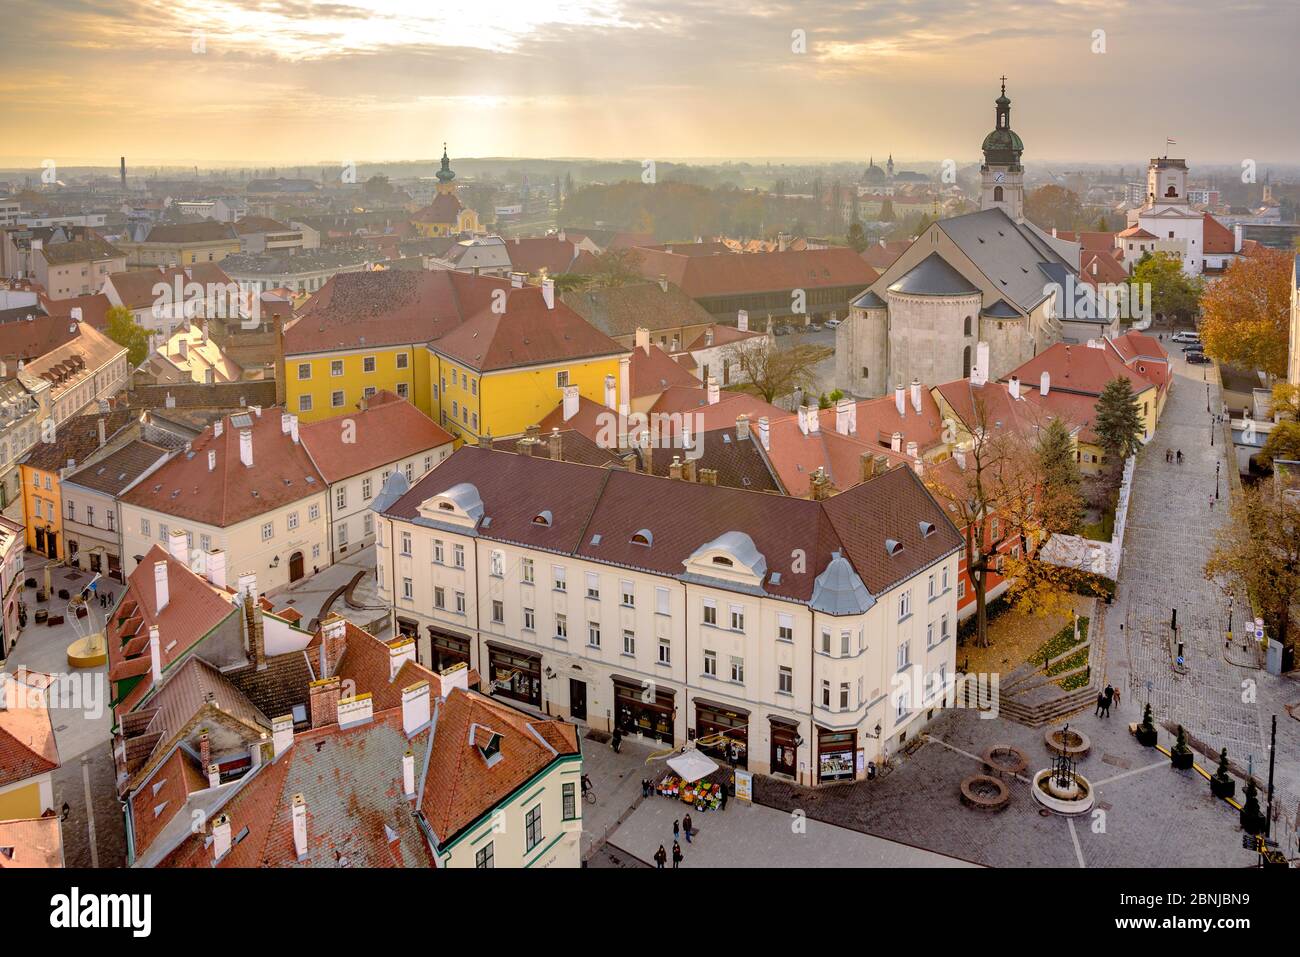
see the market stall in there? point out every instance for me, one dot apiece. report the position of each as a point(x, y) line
point(695, 779)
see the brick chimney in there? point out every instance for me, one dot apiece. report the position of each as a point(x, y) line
point(246, 447)
point(408, 775)
point(278, 325)
point(555, 445)
point(764, 432)
point(334, 642)
point(300, 826)
point(205, 749)
point(675, 469)
point(708, 476)
point(282, 734)
point(867, 462)
point(688, 470)
point(161, 593)
point(713, 393)
point(415, 706)
point(324, 694)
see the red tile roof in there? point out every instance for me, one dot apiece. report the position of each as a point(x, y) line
point(32, 843)
point(389, 430)
point(1135, 232)
point(652, 371)
point(734, 274)
point(541, 253)
point(722, 336)
point(719, 415)
point(443, 211)
point(1218, 238)
point(881, 255)
point(27, 745)
point(1078, 368)
point(282, 472)
point(1098, 266)
point(94, 308)
point(135, 287)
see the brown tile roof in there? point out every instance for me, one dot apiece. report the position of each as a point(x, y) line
point(586, 502)
point(178, 777)
point(94, 308)
point(541, 253)
point(68, 365)
point(1097, 266)
point(21, 339)
point(77, 439)
point(1079, 368)
point(92, 249)
point(196, 395)
point(652, 370)
point(37, 842)
point(722, 413)
point(388, 307)
point(443, 210)
point(115, 472)
point(722, 335)
point(389, 430)
point(525, 333)
point(733, 274)
point(621, 310)
point(1218, 237)
point(135, 287)
point(461, 786)
point(259, 224)
point(796, 456)
point(282, 472)
point(27, 746)
point(1135, 232)
point(740, 463)
point(881, 255)
point(574, 447)
point(204, 231)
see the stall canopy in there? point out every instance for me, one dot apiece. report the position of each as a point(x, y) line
point(692, 765)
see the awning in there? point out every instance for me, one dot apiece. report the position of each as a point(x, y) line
point(692, 765)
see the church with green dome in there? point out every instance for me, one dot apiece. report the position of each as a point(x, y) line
point(1002, 178)
point(446, 215)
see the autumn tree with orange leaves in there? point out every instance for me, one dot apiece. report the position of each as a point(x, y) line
point(1246, 315)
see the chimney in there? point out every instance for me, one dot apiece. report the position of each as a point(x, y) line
point(457, 676)
point(103, 431)
point(714, 395)
point(160, 585)
point(882, 464)
point(293, 428)
point(217, 567)
point(642, 341)
point(688, 470)
point(570, 402)
point(415, 706)
point(896, 442)
point(611, 392)
point(277, 326)
point(959, 453)
point(300, 826)
point(246, 447)
point(814, 420)
point(220, 836)
point(184, 345)
point(979, 374)
point(334, 634)
point(675, 469)
point(517, 278)
point(803, 420)
point(844, 416)
point(1045, 383)
point(282, 734)
point(400, 652)
point(356, 710)
point(284, 422)
point(408, 774)
point(217, 428)
point(663, 281)
point(155, 653)
point(248, 585)
point(214, 776)
point(205, 749)
point(324, 697)
point(212, 460)
point(900, 401)
point(178, 546)
point(555, 442)
point(916, 396)
point(742, 320)
point(631, 462)
point(911, 450)
point(742, 427)
point(867, 464)
point(764, 432)
point(548, 292)
point(526, 445)
point(1013, 386)
point(708, 476)
point(708, 336)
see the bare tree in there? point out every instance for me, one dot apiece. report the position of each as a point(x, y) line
point(773, 371)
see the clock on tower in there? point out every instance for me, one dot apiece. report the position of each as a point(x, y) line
point(1002, 176)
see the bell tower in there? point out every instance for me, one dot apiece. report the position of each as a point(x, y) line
point(1002, 177)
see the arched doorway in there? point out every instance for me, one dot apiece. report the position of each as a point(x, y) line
point(295, 566)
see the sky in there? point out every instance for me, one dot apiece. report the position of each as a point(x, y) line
point(284, 81)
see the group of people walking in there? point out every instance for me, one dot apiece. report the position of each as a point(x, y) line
point(679, 827)
point(1172, 456)
point(1105, 700)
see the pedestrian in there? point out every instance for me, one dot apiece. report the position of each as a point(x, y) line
point(645, 787)
point(1180, 456)
point(1169, 455)
point(617, 741)
point(1117, 699)
point(660, 857)
point(723, 805)
point(677, 830)
point(1101, 703)
point(686, 826)
point(677, 854)
point(1211, 503)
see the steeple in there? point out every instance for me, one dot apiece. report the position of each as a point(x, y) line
point(1002, 176)
point(445, 175)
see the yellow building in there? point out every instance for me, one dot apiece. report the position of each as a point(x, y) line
point(79, 441)
point(445, 216)
point(182, 244)
point(26, 783)
point(477, 354)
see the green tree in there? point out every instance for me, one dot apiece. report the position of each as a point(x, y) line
point(1118, 424)
point(1282, 443)
point(1174, 294)
point(886, 214)
point(122, 328)
point(857, 237)
point(1051, 207)
point(1060, 497)
point(1102, 225)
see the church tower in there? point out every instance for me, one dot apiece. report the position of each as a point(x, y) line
point(1001, 175)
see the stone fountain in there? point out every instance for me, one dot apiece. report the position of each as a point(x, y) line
point(1061, 789)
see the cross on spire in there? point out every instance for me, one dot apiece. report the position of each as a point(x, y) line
point(1003, 78)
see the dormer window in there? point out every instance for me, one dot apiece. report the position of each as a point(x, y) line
point(723, 561)
point(927, 529)
point(447, 506)
point(643, 537)
point(893, 547)
point(488, 743)
point(542, 518)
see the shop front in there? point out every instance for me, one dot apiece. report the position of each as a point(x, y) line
point(639, 709)
point(722, 732)
point(447, 649)
point(836, 751)
point(515, 674)
point(785, 746)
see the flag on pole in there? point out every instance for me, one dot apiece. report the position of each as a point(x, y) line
point(1170, 142)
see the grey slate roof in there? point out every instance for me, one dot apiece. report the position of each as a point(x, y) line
point(932, 276)
point(839, 591)
point(1011, 255)
point(1000, 310)
point(869, 300)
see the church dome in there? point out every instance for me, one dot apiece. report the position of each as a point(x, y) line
point(445, 174)
point(1002, 147)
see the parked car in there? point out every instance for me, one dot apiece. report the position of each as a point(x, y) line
point(1198, 358)
point(833, 323)
point(814, 327)
point(781, 331)
point(1185, 337)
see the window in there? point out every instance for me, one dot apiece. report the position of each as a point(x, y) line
point(661, 601)
point(483, 857)
point(428, 462)
point(561, 626)
point(108, 518)
point(961, 588)
point(629, 593)
point(845, 640)
point(292, 521)
point(368, 523)
point(826, 641)
point(409, 471)
point(304, 370)
point(665, 651)
point(437, 551)
point(844, 696)
point(569, 800)
point(993, 529)
point(904, 604)
point(904, 654)
point(267, 531)
point(929, 635)
point(784, 627)
point(785, 680)
point(341, 497)
point(738, 669)
point(403, 390)
point(902, 703)
point(458, 555)
point(737, 618)
point(408, 589)
point(403, 360)
point(629, 642)
point(561, 379)
point(368, 392)
point(72, 510)
point(826, 693)
point(943, 627)
point(440, 598)
point(945, 577)
point(710, 612)
point(365, 489)
point(558, 574)
point(460, 603)
point(526, 569)
point(336, 367)
point(313, 512)
point(533, 828)
point(406, 543)
point(711, 664)
point(930, 584)
point(368, 364)
point(336, 399)
point(593, 585)
point(498, 611)
point(530, 620)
